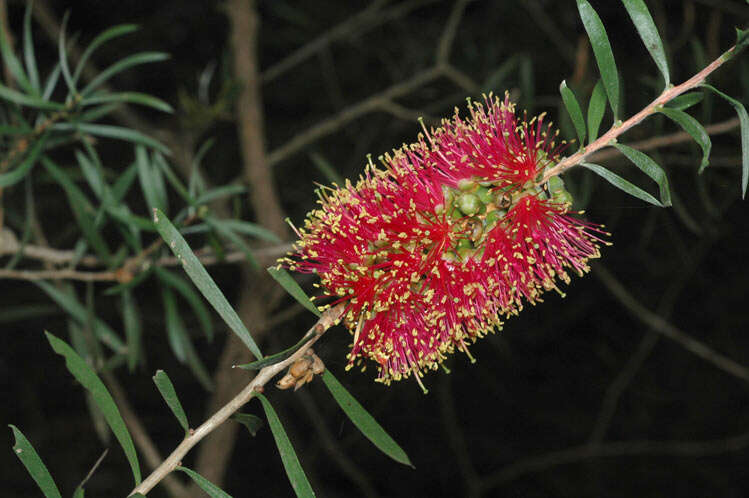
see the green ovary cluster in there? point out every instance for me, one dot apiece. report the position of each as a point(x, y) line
point(477, 207)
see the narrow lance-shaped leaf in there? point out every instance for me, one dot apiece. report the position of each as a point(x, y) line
point(188, 292)
point(27, 100)
point(650, 168)
point(291, 464)
point(202, 280)
point(364, 421)
point(622, 184)
point(253, 423)
point(148, 182)
point(12, 63)
point(596, 109)
point(643, 21)
point(744, 128)
point(117, 67)
point(694, 128)
point(133, 329)
point(289, 284)
point(33, 463)
point(116, 132)
point(277, 357)
point(166, 388)
point(28, 48)
point(327, 169)
point(88, 379)
point(685, 101)
point(104, 36)
point(71, 305)
point(211, 489)
point(129, 98)
point(225, 232)
point(599, 41)
point(573, 109)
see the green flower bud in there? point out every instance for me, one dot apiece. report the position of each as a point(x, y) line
point(448, 194)
point(492, 217)
point(563, 197)
point(464, 243)
point(484, 195)
point(469, 204)
point(555, 184)
point(466, 185)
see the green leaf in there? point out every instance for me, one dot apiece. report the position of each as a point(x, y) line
point(118, 67)
point(34, 465)
point(694, 128)
point(28, 48)
point(103, 37)
point(173, 179)
point(291, 464)
point(70, 304)
point(61, 46)
point(327, 169)
point(12, 63)
point(227, 233)
point(166, 388)
point(51, 83)
point(685, 101)
point(496, 78)
point(133, 329)
point(83, 373)
point(744, 127)
point(289, 284)
point(27, 100)
point(211, 489)
point(19, 173)
point(129, 98)
point(643, 21)
point(219, 192)
point(599, 41)
point(82, 209)
point(153, 190)
point(650, 168)
point(742, 40)
point(622, 184)
point(251, 229)
point(79, 493)
point(203, 280)
point(175, 327)
point(252, 422)
point(116, 132)
point(361, 418)
point(183, 287)
point(137, 279)
point(573, 109)
point(277, 357)
point(596, 109)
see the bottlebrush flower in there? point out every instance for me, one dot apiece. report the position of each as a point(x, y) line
point(452, 233)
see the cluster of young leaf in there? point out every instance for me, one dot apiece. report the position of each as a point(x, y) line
point(607, 89)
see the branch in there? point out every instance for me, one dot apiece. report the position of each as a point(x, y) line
point(658, 324)
point(329, 318)
point(619, 448)
point(619, 128)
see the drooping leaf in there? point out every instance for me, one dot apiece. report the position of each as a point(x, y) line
point(166, 388)
point(361, 418)
point(604, 56)
point(28, 49)
point(116, 132)
point(188, 293)
point(203, 281)
point(573, 109)
point(101, 38)
point(88, 379)
point(219, 192)
point(33, 463)
point(650, 168)
point(28, 100)
point(252, 422)
point(119, 66)
point(622, 184)
point(694, 128)
point(149, 182)
point(211, 489)
point(685, 101)
point(277, 357)
point(596, 109)
point(70, 304)
point(129, 98)
point(225, 232)
point(289, 284)
point(291, 464)
point(13, 64)
point(327, 169)
point(643, 21)
point(62, 52)
point(744, 129)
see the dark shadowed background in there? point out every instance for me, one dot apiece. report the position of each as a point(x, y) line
point(596, 394)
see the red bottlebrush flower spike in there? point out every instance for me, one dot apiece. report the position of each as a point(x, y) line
point(453, 233)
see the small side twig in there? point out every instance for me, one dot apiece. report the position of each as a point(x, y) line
point(329, 318)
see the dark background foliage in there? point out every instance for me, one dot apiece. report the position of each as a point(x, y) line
point(537, 391)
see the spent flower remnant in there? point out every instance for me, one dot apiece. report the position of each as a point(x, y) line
point(452, 233)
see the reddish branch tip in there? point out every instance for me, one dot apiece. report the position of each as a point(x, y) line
point(451, 233)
